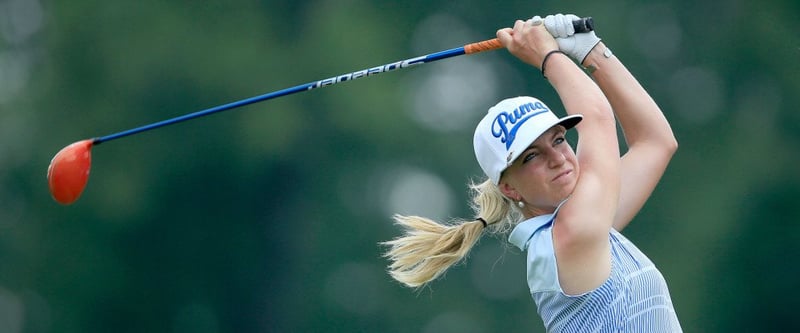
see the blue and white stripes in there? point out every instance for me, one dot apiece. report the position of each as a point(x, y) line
point(635, 298)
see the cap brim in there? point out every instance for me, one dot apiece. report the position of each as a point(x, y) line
point(570, 121)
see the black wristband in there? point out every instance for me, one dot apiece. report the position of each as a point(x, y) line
point(547, 56)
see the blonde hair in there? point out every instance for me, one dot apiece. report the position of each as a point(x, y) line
point(428, 248)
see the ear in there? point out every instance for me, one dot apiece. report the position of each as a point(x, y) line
point(508, 190)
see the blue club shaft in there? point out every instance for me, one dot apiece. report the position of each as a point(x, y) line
point(289, 91)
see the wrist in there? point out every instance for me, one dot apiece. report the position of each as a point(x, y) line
point(547, 57)
point(596, 57)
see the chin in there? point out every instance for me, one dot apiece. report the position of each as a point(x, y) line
point(567, 192)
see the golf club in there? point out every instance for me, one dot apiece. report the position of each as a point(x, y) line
point(68, 171)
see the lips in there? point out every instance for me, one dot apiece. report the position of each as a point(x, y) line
point(562, 174)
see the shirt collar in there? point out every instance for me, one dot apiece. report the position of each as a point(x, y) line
point(523, 232)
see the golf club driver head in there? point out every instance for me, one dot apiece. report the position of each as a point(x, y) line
point(69, 171)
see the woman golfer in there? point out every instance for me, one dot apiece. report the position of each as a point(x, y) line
point(564, 207)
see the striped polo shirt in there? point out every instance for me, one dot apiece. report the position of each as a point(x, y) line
point(634, 298)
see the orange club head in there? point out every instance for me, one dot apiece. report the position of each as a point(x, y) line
point(69, 171)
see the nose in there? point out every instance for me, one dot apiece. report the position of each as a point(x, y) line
point(556, 159)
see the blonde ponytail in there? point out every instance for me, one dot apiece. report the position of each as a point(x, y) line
point(429, 248)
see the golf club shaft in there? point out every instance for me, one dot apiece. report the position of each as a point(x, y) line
point(582, 25)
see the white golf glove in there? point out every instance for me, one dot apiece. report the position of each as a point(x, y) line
point(575, 45)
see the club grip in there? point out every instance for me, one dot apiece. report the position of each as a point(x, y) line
point(581, 25)
point(584, 24)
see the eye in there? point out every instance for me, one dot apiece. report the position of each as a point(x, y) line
point(559, 140)
point(529, 157)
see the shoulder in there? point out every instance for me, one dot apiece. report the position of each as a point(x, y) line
point(582, 265)
point(543, 267)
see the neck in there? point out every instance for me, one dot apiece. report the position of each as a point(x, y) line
point(537, 211)
point(531, 212)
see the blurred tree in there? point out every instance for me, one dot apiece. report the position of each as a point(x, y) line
point(756, 274)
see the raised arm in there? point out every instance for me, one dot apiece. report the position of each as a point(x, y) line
point(648, 135)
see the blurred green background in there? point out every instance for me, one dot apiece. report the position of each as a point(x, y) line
point(268, 218)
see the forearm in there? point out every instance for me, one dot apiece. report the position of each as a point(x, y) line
point(650, 140)
point(640, 117)
point(577, 92)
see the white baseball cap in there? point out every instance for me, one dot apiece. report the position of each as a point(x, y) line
point(509, 128)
